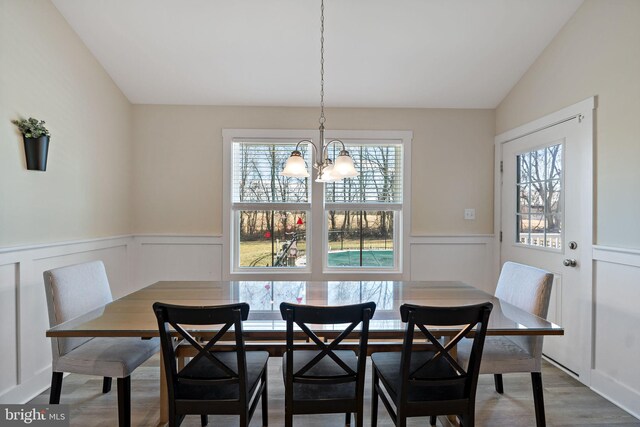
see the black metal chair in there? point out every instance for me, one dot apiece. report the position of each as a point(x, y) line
point(213, 382)
point(430, 382)
point(320, 378)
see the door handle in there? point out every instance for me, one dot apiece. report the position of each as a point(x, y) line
point(569, 262)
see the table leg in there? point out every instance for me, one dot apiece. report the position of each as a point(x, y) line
point(164, 396)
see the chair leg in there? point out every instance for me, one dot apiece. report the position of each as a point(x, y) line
point(124, 402)
point(244, 420)
point(538, 398)
point(106, 385)
point(468, 419)
point(374, 399)
point(176, 420)
point(433, 419)
point(265, 400)
point(359, 419)
point(497, 379)
point(204, 420)
point(56, 388)
point(347, 419)
point(288, 417)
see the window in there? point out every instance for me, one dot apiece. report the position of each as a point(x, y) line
point(539, 197)
point(362, 212)
point(270, 211)
point(359, 222)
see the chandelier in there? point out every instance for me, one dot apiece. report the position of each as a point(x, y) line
point(328, 171)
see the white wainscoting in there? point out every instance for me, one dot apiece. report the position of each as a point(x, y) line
point(616, 295)
point(26, 362)
point(470, 259)
point(133, 262)
point(160, 257)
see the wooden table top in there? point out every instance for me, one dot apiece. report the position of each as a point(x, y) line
point(132, 315)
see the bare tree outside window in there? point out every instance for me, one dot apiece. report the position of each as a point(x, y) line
point(539, 197)
point(269, 237)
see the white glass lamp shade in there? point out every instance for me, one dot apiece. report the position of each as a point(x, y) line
point(344, 167)
point(295, 166)
point(327, 174)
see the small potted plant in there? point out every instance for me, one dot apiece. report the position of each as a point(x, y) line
point(36, 142)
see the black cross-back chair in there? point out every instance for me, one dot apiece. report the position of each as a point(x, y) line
point(213, 382)
point(325, 380)
point(431, 382)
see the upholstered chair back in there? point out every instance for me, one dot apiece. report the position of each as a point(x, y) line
point(529, 289)
point(73, 291)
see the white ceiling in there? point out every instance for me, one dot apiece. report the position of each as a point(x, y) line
point(379, 53)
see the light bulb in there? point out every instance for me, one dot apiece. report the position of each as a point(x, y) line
point(327, 174)
point(344, 167)
point(295, 166)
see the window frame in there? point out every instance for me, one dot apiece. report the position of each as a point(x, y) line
point(317, 224)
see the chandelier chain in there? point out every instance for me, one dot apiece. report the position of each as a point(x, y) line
point(322, 119)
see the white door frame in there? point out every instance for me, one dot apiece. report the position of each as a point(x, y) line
point(584, 111)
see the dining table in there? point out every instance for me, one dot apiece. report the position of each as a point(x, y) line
point(132, 315)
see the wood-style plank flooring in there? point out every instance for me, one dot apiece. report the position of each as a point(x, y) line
point(567, 402)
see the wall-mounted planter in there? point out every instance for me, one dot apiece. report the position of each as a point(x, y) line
point(36, 151)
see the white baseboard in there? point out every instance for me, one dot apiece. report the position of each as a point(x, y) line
point(24, 392)
point(616, 392)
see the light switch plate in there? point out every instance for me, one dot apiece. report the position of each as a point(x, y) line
point(469, 213)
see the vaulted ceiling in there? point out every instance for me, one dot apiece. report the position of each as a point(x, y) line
point(379, 53)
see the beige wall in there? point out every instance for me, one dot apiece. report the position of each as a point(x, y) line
point(596, 53)
point(48, 73)
point(178, 166)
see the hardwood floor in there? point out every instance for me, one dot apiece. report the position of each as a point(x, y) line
point(567, 403)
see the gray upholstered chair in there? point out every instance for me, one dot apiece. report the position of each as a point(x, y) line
point(73, 291)
point(527, 288)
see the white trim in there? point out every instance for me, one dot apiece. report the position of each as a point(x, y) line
point(584, 110)
point(616, 392)
point(455, 239)
point(32, 387)
point(616, 255)
point(338, 206)
point(49, 250)
point(6, 249)
point(276, 206)
point(147, 239)
point(547, 121)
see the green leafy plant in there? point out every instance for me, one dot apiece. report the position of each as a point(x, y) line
point(31, 128)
